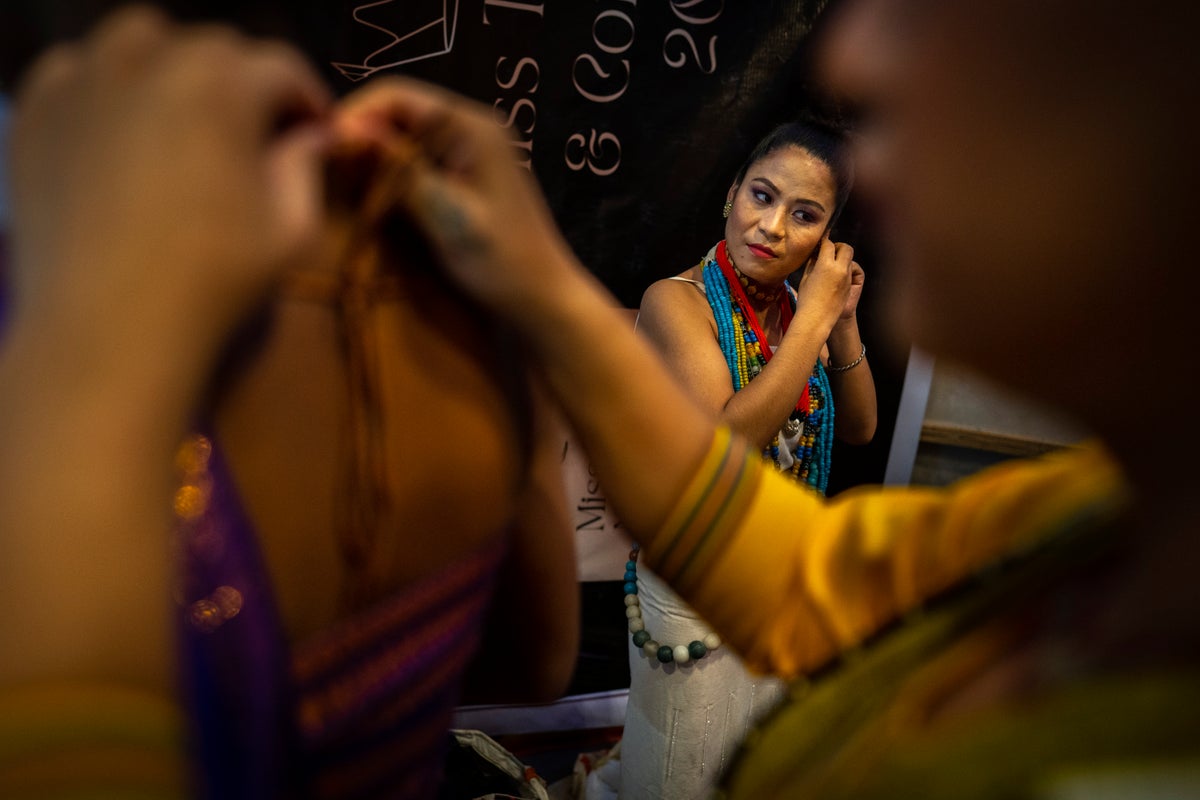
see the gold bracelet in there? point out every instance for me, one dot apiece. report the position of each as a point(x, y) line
point(851, 365)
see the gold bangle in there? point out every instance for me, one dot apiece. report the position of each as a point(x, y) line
point(851, 365)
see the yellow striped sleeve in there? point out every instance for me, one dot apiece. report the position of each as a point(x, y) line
point(789, 578)
point(710, 507)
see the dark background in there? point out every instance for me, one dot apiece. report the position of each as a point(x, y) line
point(633, 114)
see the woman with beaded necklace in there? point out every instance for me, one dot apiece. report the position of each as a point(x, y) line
point(733, 318)
point(751, 349)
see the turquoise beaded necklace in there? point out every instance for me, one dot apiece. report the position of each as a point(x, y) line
point(743, 343)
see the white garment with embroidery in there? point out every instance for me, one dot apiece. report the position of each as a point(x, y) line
point(683, 723)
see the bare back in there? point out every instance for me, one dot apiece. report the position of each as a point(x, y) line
point(463, 448)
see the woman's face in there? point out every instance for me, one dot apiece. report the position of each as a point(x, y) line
point(779, 213)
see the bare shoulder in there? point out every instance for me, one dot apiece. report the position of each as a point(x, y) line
point(675, 307)
point(684, 291)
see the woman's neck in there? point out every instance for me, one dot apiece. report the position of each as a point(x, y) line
point(762, 296)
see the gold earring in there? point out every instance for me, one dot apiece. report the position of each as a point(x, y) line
point(728, 208)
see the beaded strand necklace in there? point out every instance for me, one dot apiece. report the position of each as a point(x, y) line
point(680, 653)
point(808, 433)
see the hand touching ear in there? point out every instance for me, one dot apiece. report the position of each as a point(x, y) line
point(827, 283)
point(857, 279)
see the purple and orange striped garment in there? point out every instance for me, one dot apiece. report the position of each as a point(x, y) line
point(361, 710)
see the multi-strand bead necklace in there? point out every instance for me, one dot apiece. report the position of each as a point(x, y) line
point(743, 343)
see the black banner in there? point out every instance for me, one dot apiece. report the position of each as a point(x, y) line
point(634, 114)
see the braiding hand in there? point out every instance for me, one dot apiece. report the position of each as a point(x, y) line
point(484, 216)
point(162, 176)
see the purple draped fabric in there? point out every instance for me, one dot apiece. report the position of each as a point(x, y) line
point(359, 711)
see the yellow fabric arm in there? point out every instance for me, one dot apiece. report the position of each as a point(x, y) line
point(790, 579)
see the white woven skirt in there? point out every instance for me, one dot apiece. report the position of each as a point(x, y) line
point(683, 722)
